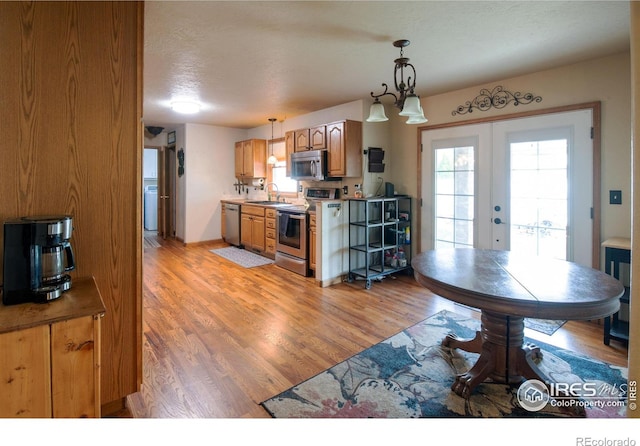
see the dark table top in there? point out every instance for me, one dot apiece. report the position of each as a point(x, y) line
point(507, 283)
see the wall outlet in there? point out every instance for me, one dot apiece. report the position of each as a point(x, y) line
point(345, 190)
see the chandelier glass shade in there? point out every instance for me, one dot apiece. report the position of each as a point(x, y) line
point(404, 98)
point(377, 114)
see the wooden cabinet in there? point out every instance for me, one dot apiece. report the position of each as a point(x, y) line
point(341, 139)
point(312, 242)
point(310, 139)
point(252, 234)
point(50, 362)
point(289, 144)
point(251, 158)
point(270, 232)
point(344, 145)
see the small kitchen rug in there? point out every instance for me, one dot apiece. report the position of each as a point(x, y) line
point(410, 374)
point(242, 257)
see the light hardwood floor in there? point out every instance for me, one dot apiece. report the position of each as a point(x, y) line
point(219, 339)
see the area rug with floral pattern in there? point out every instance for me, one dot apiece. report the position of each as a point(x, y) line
point(410, 374)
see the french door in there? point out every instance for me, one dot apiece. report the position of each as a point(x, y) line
point(523, 185)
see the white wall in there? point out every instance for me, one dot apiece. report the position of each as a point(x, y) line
point(607, 80)
point(209, 175)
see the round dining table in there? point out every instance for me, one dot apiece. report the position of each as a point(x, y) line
point(506, 288)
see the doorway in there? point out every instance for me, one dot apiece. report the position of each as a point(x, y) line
point(159, 184)
point(524, 185)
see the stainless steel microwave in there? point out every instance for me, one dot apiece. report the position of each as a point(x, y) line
point(310, 165)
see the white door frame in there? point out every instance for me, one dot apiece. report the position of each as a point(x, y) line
point(595, 112)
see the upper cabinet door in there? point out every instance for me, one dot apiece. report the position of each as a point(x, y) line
point(310, 139)
point(251, 158)
point(239, 159)
point(344, 146)
point(289, 144)
point(317, 137)
point(301, 140)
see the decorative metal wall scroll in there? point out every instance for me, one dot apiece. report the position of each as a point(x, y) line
point(498, 98)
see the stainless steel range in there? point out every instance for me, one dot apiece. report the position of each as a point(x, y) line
point(292, 240)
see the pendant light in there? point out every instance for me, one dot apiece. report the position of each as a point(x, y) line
point(272, 159)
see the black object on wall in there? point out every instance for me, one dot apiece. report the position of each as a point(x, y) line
point(376, 155)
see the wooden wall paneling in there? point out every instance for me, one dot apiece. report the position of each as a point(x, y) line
point(71, 124)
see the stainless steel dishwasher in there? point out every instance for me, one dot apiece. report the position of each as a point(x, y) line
point(232, 223)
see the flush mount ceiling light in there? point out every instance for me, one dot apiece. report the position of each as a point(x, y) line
point(185, 107)
point(272, 159)
point(405, 99)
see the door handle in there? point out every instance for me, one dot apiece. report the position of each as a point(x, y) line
point(164, 197)
point(498, 221)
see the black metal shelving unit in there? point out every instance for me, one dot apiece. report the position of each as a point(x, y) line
point(379, 237)
point(615, 255)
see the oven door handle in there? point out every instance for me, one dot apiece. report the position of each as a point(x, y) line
point(293, 216)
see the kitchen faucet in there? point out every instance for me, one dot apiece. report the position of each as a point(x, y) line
point(269, 193)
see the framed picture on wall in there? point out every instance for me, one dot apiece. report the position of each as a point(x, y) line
point(171, 137)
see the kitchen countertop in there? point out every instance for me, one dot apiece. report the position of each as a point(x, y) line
point(260, 203)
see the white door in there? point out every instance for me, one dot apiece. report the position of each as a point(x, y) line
point(523, 185)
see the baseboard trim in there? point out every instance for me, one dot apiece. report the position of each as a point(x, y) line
point(201, 242)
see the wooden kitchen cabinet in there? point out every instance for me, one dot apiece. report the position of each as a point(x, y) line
point(252, 228)
point(251, 158)
point(344, 146)
point(289, 144)
point(50, 361)
point(312, 242)
point(310, 139)
point(270, 232)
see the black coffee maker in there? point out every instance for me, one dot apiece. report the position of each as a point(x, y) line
point(37, 254)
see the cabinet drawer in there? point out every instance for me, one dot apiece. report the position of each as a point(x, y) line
point(270, 246)
point(252, 210)
point(270, 223)
point(270, 233)
point(270, 213)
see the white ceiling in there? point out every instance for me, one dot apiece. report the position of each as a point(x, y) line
point(248, 61)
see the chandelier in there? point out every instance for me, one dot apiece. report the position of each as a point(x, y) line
point(405, 99)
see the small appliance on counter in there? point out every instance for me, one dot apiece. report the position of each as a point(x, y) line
point(37, 254)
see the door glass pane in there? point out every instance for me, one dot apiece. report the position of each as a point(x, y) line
point(539, 203)
point(454, 196)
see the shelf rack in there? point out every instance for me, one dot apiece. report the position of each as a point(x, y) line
point(617, 252)
point(379, 237)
